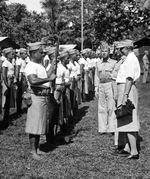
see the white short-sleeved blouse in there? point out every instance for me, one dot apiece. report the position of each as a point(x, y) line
point(10, 67)
point(78, 68)
point(20, 62)
point(73, 70)
point(129, 68)
point(60, 73)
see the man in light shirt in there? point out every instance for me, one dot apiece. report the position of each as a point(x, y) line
point(20, 77)
point(74, 70)
point(8, 85)
point(84, 74)
point(63, 56)
point(53, 104)
point(38, 85)
point(58, 92)
point(104, 92)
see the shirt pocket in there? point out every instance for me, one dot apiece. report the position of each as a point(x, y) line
point(100, 68)
point(108, 68)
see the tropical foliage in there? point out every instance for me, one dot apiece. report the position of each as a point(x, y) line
point(120, 20)
point(110, 20)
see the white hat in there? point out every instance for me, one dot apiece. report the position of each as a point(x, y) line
point(125, 43)
point(50, 50)
point(62, 54)
point(23, 50)
point(34, 46)
point(7, 50)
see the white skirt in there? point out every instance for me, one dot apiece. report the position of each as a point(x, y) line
point(37, 116)
point(128, 124)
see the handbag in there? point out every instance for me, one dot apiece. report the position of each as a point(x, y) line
point(124, 110)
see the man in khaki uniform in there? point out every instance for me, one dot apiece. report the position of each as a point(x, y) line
point(145, 66)
point(104, 91)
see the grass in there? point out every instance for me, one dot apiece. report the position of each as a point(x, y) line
point(88, 156)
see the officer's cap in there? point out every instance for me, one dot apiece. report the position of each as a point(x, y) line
point(125, 43)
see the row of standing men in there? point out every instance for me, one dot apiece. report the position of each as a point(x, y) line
point(74, 83)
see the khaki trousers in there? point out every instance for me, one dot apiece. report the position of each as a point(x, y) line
point(145, 75)
point(106, 106)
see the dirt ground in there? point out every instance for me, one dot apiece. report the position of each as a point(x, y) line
point(87, 156)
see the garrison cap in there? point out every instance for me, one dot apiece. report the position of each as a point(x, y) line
point(7, 50)
point(83, 51)
point(34, 46)
point(62, 54)
point(50, 50)
point(23, 50)
point(77, 52)
point(72, 51)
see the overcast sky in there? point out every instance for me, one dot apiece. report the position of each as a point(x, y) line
point(32, 5)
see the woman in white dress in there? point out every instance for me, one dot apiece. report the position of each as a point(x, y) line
point(128, 74)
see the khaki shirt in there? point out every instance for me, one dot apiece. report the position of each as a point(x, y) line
point(145, 62)
point(104, 71)
point(117, 67)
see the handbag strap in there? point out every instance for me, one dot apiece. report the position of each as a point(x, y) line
point(119, 106)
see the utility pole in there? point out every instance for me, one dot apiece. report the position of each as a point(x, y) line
point(82, 38)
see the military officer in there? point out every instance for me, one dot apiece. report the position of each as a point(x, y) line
point(104, 91)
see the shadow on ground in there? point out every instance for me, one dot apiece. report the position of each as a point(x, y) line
point(67, 133)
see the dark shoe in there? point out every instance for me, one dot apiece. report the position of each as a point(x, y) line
point(121, 153)
point(110, 134)
point(134, 157)
point(102, 133)
point(114, 147)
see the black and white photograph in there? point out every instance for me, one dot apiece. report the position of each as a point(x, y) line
point(74, 89)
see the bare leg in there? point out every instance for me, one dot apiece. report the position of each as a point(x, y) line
point(34, 144)
point(125, 141)
point(132, 141)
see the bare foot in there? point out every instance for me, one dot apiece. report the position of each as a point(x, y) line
point(35, 156)
point(41, 152)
